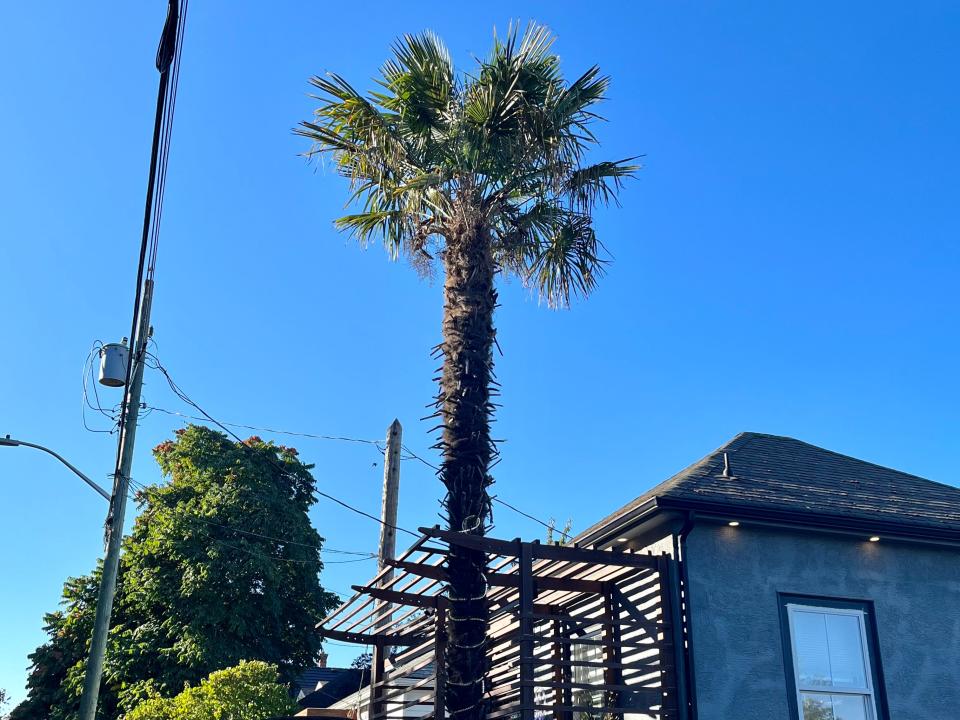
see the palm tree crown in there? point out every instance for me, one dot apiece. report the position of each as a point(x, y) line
point(504, 146)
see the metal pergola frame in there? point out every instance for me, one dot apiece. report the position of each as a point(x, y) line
point(574, 633)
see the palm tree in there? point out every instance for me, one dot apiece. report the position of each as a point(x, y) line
point(480, 173)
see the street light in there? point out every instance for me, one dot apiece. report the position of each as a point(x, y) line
point(10, 442)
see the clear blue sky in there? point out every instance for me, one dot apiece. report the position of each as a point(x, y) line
point(787, 261)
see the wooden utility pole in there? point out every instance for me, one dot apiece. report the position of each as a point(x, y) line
point(391, 495)
point(388, 551)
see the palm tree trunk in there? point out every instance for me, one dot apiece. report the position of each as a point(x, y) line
point(464, 403)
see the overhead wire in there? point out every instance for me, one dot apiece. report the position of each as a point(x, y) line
point(309, 561)
point(409, 455)
point(273, 431)
point(335, 551)
point(550, 526)
point(168, 65)
point(186, 398)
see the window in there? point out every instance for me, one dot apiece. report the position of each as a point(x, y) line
point(831, 659)
point(584, 674)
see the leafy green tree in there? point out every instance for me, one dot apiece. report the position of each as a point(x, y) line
point(222, 565)
point(480, 173)
point(817, 709)
point(249, 691)
point(363, 661)
point(56, 667)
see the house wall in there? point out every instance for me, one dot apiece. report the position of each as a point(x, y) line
point(735, 575)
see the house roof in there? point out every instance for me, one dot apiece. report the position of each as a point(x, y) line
point(343, 684)
point(352, 681)
point(781, 475)
point(308, 680)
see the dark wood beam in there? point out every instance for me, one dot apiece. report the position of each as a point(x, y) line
point(489, 545)
point(438, 572)
point(372, 638)
point(396, 596)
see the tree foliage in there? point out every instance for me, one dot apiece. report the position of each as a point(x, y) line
point(56, 667)
point(249, 691)
point(222, 566)
point(506, 144)
point(363, 661)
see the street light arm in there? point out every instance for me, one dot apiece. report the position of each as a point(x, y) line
point(14, 443)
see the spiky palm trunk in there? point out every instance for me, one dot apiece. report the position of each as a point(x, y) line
point(465, 406)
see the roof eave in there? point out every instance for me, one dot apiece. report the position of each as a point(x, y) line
point(838, 523)
point(654, 507)
point(603, 533)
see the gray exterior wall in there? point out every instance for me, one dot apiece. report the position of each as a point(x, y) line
point(735, 575)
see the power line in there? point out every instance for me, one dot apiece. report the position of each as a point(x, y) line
point(410, 455)
point(274, 431)
point(335, 551)
point(310, 561)
point(183, 396)
point(168, 64)
point(547, 525)
point(366, 556)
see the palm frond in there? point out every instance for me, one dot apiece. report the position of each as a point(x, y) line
point(599, 183)
point(553, 249)
point(419, 83)
point(569, 265)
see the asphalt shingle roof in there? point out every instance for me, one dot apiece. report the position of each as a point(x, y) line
point(769, 472)
point(346, 682)
point(308, 679)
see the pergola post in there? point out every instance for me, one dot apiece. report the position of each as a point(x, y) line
point(525, 555)
point(612, 674)
point(376, 682)
point(562, 677)
point(439, 653)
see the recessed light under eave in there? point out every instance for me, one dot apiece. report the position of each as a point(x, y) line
point(734, 523)
point(874, 538)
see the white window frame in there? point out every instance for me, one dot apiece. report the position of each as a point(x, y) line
point(868, 692)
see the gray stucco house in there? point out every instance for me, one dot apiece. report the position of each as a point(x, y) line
point(815, 586)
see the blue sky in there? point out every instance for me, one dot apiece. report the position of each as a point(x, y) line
point(786, 262)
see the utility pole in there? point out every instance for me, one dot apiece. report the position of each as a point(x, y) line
point(118, 506)
point(167, 63)
point(388, 550)
point(391, 495)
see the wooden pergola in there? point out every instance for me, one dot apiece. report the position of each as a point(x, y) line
point(575, 633)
